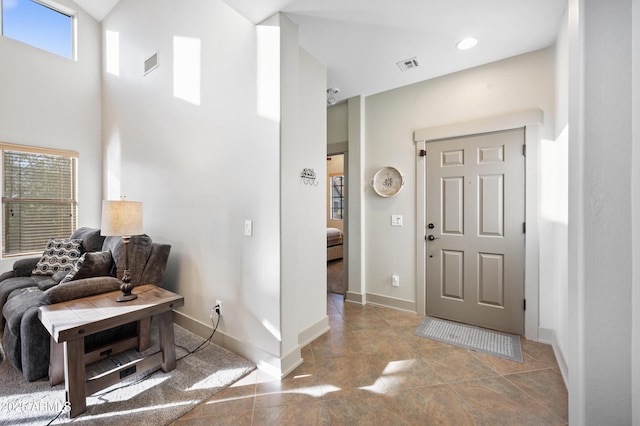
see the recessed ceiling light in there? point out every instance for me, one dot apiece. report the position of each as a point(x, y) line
point(467, 43)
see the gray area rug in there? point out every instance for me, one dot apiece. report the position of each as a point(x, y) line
point(478, 339)
point(157, 400)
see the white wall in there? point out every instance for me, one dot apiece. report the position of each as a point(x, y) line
point(303, 226)
point(635, 161)
point(600, 211)
point(338, 125)
point(554, 215)
point(515, 84)
point(54, 102)
point(203, 167)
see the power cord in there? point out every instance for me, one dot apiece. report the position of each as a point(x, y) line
point(201, 346)
point(198, 348)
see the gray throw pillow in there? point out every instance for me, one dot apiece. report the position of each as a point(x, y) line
point(91, 264)
point(59, 255)
point(47, 283)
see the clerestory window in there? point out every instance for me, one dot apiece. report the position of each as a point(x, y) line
point(40, 23)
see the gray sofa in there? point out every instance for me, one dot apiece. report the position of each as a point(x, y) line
point(24, 339)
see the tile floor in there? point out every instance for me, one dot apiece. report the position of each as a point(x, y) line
point(371, 370)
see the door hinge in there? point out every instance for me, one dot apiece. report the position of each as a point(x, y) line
point(524, 304)
point(524, 227)
point(524, 150)
point(423, 153)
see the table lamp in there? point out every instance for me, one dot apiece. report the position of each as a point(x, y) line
point(124, 219)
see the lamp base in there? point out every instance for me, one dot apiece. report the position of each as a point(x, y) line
point(126, 297)
point(126, 285)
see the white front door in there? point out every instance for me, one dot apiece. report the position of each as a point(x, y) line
point(475, 196)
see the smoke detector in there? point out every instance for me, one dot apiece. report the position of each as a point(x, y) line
point(408, 64)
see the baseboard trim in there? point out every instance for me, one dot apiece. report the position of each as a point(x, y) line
point(290, 362)
point(545, 335)
point(272, 365)
point(392, 302)
point(355, 297)
point(267, 362)
point(561, 358)
point(312, 333)
point(549, 336)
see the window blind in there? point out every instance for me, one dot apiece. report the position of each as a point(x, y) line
point(39, 200)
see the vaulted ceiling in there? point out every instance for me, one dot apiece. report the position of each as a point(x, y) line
point(361, 41)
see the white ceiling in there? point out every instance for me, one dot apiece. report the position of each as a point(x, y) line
point(97, 8)
point(360, 41)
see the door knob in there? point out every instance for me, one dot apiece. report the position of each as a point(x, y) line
point(432, 237)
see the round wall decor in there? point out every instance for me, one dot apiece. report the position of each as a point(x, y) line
point(387, 182)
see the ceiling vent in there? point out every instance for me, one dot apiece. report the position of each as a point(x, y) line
point(408, 64)
point(151, 63)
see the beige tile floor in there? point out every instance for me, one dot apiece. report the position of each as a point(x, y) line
point(371, 370)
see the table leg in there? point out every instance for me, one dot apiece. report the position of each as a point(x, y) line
point(75, 376)
point(167, 344)
point(56, 362)
point(144, 334)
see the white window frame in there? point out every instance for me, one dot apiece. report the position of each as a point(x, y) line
point(58, 8)
point(74, 190)
point(331, 196)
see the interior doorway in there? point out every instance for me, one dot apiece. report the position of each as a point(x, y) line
point(336, 224)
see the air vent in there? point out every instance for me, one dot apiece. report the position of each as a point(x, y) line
point(151, 63)
point(408, 64)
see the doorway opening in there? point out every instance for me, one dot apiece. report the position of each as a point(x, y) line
point(336, 220)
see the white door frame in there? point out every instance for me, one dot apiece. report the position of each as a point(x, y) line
point(530, 120)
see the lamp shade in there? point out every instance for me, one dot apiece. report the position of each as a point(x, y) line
point(122, 218)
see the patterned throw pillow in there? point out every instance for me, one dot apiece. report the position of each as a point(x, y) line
point(60, 255)
point(90, 264)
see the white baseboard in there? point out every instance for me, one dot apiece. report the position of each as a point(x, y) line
point(265, 361)
point(290, 362)
point(562, 360)
point(312, 333)
point(548, 336)
point(293, 359)
point(355, 297)
point(274, 366)
point(545, 335)
point(391, 302)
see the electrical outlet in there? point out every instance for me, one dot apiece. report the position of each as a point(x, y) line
point(216, 309)
point(395, 280)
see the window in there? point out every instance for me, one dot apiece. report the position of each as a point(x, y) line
point(336, 183)
point(43, 24)
point(39, 199)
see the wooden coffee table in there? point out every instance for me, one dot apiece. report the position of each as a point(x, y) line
point(70, 322)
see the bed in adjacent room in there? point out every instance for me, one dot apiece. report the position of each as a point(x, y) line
point(334, 244)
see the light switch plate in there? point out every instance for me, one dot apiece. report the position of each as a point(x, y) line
point(396, 220)
point(248, 228)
